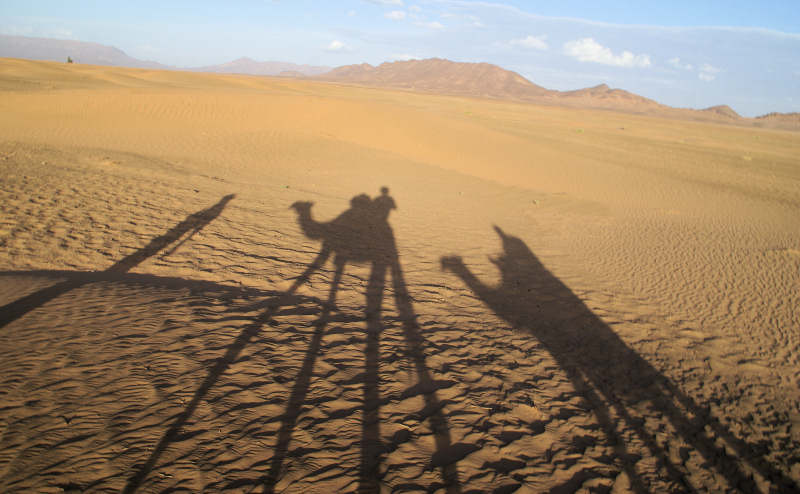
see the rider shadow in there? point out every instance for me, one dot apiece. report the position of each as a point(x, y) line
point(362, 234)
point(613, 378)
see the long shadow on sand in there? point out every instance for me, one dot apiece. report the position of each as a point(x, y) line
point(188, 227)
point(361, 234)
point(612, 377)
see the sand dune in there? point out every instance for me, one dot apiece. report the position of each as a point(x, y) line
point(564, 300)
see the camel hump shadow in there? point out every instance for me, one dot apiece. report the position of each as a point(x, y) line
point(359, 234)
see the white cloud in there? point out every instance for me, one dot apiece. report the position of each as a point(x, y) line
point(415, 9)
point(589, 50)
point(431, 25)
point(676, 62)
point(708, 72)
point(351, 13)
point(705, 72)
point(386, 2)
point(396, 15)
point(530, 41)
point(337, 45)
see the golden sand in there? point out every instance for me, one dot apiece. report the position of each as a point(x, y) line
point(630, 324)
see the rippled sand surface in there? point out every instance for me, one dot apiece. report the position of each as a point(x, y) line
point(563, 300)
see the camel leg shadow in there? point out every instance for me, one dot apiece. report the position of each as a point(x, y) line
point(301, 385)
point(232, 353)
point(372, 448)
point(414, 347)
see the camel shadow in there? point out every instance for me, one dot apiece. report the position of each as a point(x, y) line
point(362, 234)
point(612, 377)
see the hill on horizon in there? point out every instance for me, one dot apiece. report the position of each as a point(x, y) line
point(441, 75)
point(57, 50)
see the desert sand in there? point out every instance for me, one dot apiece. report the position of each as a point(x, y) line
point(563, 300)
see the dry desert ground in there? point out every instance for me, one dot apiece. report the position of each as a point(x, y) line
point(196, 297)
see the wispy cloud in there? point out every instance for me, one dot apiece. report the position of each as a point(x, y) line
point(386, 2)
point(520, 13)
point(396, 15)
point(404, 57)
point(705, 72)
point(676, 62)
point(468, 19)
point(589, 50)
point(530, 41)
point(708, 72)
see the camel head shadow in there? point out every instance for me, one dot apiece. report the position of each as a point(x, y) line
point(520, 274)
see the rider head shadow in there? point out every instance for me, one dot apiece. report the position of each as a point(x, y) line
point(611, 375)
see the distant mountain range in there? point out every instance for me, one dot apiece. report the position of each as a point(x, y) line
point(479, 80)
point(490, 81)
point(434, 75)
point(58, 50)
point(249, 66)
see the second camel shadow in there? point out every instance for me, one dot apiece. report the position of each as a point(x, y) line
point(614, 378)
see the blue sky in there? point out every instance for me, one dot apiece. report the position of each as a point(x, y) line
point(681, 53)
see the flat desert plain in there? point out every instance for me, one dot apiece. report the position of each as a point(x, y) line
point(197, 297)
